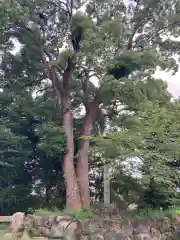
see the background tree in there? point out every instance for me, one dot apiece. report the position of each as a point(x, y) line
point(32, 144)
point(149, 137)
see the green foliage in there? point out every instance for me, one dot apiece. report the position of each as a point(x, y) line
point(150, 136)
point(79, 215)
point(137, 60)
point(171, 213)
point(19, 150)
point(82, 214)
point(47, 212)
point(81, 21)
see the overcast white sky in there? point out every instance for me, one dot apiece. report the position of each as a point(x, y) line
point(172, 80)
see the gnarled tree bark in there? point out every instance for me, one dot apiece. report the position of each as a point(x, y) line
point(61, 88)
point(73, 200)
point(83, 152)
point(77, 182)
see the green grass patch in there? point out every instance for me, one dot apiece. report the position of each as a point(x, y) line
point(45, 212)
point(81, 214)
point(171, 213)
point(4, 228)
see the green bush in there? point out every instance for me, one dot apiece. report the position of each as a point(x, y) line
point(48, 212)
point(84, 213)
point(145, 213)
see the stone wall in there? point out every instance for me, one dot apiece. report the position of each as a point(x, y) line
point(65, 227)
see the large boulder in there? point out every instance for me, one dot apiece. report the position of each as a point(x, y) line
point(17, 222)
point(52, 227)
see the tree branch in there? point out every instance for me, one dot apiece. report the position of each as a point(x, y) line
point(67, 75)
point(53, 75)
point(130, 42)
point(44, 89)
point(84, 88)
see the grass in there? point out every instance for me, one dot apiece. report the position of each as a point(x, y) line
point(82, 214)
point(45, 212)
point(4, 226)
point(3, 229)
point(87, 213)
point(171, 213)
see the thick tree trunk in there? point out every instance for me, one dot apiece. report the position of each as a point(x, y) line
point(77, 183)
point(83, 154)
point(73, 199)
point(83, 165)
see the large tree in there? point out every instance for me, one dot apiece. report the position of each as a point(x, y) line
point(149, 137)
point(116, 44)
point(32, 147)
